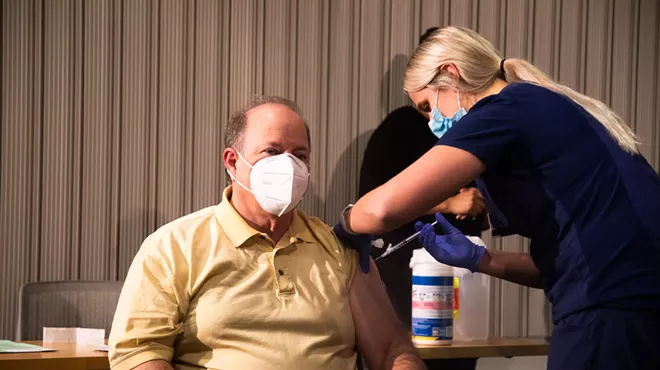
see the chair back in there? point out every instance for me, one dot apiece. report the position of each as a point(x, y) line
point(88, 304)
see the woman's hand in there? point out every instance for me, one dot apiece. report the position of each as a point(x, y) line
point(469, 202)
point(449, 246)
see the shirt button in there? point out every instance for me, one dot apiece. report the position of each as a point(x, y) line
point(281, 272)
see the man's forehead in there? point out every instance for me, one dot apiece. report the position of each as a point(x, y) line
point(271, 123)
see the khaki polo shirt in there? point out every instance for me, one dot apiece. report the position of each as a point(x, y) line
point(209, 291)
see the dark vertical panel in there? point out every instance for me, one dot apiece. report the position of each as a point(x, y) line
point(137, 94)
point(16, 128)
point(341, 154)
point(209, 110)
point(57, 140)
point(171, 106)
point(96, 141)
point(311, 94)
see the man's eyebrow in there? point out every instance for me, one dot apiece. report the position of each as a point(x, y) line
point(272, 144)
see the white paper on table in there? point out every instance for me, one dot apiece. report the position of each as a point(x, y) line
point(86, 336)
point(103, 348)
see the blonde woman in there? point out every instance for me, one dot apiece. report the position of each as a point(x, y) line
point(553, 165)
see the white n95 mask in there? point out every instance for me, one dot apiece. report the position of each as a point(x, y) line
point(278, 183)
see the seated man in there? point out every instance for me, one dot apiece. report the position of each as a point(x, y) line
point(253, 283)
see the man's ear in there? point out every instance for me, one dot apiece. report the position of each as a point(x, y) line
point(229, 158)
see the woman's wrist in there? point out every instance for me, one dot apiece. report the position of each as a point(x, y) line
point(344, 219)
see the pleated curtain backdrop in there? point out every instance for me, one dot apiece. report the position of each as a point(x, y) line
point(113, 112)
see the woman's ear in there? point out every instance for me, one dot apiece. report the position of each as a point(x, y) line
point(452, 70)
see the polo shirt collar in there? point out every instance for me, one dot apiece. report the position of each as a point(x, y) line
point(239, 231)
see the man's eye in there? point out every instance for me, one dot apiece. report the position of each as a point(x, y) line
point(272, 151)
point(302, 157)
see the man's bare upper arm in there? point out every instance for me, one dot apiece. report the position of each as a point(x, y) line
point(381, 337)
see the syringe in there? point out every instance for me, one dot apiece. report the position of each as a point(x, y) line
point(391, 248)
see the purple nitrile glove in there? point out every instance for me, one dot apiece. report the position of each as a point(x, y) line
point(450, 246)
point(359, 242)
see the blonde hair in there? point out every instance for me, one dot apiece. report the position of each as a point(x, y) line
point(478, 63)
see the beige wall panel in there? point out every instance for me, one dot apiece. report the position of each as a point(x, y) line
point(242, 53)
point(312, 94)
point(461, 13)
point(58, 126)
point(623, 59)
point(489, 21)
point(545, 38)
point(113, 112)
point(513, 296)
point(403, 39)
point(135, 130)
point(172, 109)
point(570, 38)
point(431, 14)
point(597, 49)
point(647, 109)
point(96, 171)
point(208, 104)
point(36, 126)
point(277, 49)
point(371, 78)
point(341, 157)
point(16, 127)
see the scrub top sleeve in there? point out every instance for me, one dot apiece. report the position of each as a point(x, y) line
point(491, 134)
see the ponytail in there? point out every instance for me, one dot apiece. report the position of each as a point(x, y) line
point(519, 70)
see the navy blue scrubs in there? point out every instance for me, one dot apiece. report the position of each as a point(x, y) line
point(592, 211)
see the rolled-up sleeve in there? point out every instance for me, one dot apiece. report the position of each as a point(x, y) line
point(151, 306)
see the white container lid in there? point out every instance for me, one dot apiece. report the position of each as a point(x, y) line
point(422, 257)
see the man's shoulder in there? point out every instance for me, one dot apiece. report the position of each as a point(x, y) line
point(178, 230)
point(326, 237)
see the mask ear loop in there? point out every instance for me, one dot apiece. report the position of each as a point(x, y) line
point(234, 178)
point(458, 97)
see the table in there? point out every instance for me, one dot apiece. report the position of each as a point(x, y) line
point(67, 356)
point(496, 347)
point(78, 357)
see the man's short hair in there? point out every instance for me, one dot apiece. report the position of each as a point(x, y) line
point(427, 34)
point(238, 120)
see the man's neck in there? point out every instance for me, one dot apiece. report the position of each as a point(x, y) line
point(260, 220)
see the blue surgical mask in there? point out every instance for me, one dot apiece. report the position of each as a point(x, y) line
point(440, 124)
